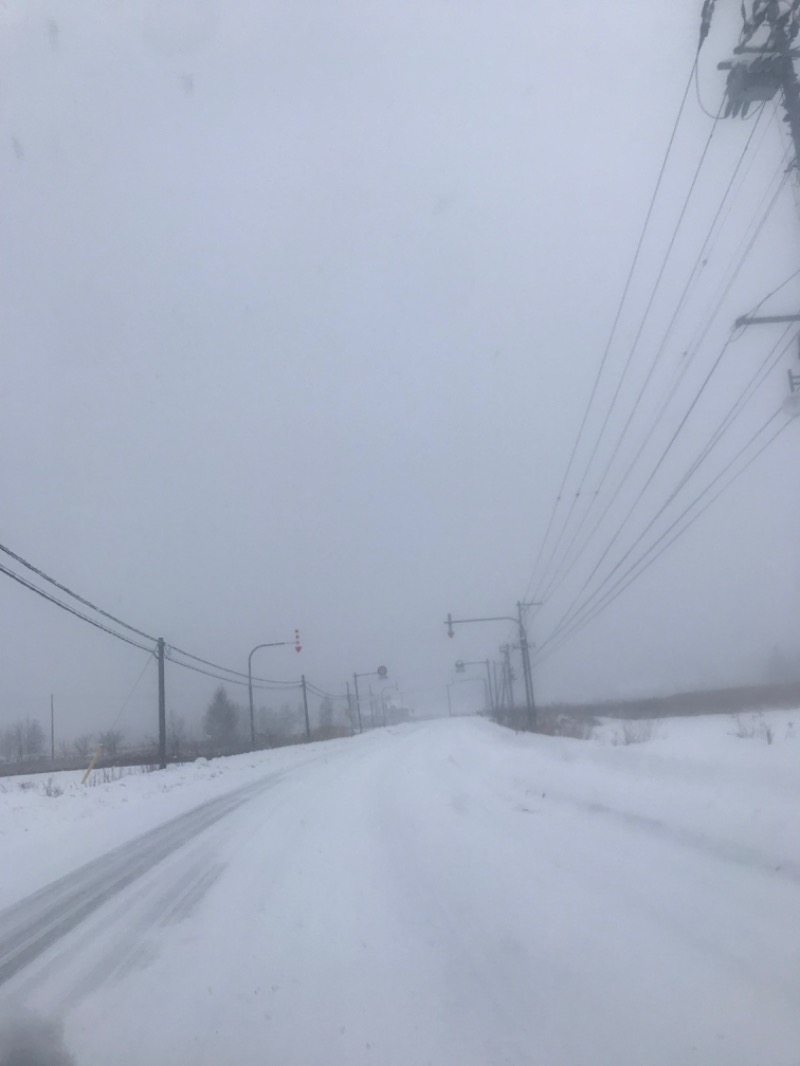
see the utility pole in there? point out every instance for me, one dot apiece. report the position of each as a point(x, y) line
point(350, 705)
point(508, 676)
point(757, 80)
point(523, 643)
point(305, 706)
point(526, 661)
point(382, 673)
point(52, 731)
point(162, 708)
point(358, 705)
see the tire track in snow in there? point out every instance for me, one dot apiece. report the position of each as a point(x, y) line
point(33, 925)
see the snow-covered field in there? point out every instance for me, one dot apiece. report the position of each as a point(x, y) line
point(444, 893)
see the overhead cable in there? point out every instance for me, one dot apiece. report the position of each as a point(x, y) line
point(643, 563)
point(612, 334)
point(593, 451)
point(700, 261)
point(257, 682)
point(75, 596)
point(686, 363)
point(66, 607)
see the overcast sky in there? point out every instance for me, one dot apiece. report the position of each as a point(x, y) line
point(301, 308)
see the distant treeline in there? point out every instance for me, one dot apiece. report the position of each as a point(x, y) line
point(707, 701)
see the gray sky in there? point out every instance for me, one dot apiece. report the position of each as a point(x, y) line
point(301, 307)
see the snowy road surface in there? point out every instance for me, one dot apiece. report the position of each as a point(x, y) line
point(444, 893)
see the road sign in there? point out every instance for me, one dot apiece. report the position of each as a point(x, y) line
point(382, 671)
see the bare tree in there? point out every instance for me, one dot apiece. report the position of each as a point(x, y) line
point(83, 744)
point(110, 742)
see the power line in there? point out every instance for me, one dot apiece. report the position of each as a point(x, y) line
point(642, 322)
point(262, 684)
point(593, 451)
point(105, 614)
point(611, 597)
point(129, 697)
point(700, 261)
point(708, 449)
point(66, 607)
point(656, 422)
point(622, 584)
point(768, 364)
point(773, 292)
point(647, 484)
point(224, 669)
point(614, 325)
point(324, 695)
point(75, 596)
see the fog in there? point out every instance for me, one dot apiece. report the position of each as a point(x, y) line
point(302, 306)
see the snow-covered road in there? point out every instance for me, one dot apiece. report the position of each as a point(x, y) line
point(444, 893)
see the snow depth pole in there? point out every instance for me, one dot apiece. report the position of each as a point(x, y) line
point(162, 708)
point(305, 706)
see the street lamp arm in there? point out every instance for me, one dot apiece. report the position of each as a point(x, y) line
point(274, 644)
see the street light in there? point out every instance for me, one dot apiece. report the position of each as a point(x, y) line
point(460, 664)
point(274, 644)
point(382, 673)
point(523, 641)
